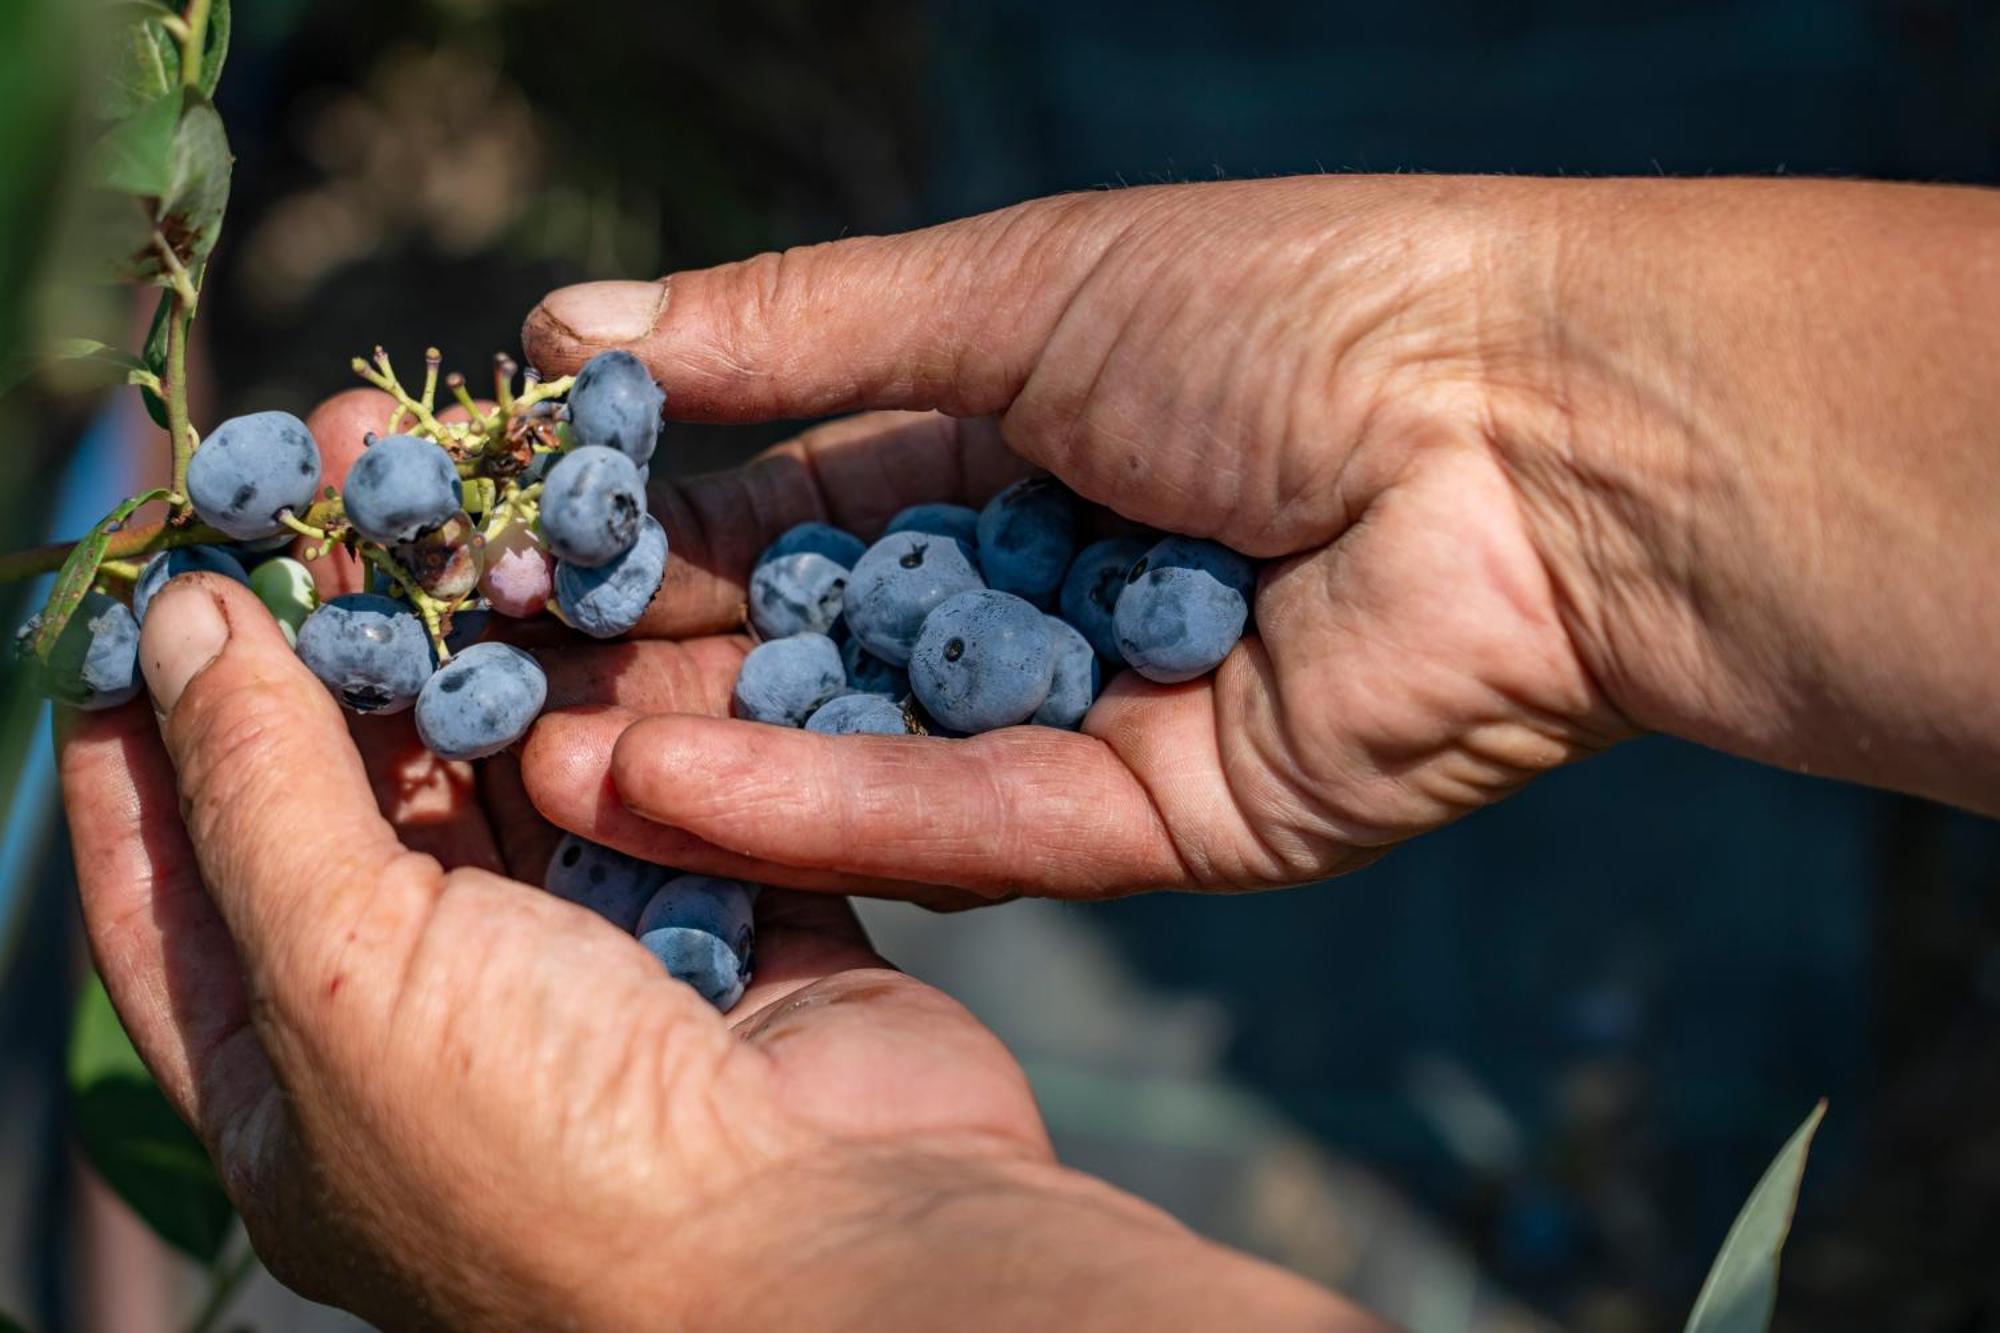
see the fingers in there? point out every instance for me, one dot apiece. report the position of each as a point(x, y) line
point(164, 953)
point(309, 877)
point(855, 473)
point(566, 767)
point(1027, 810)
point(951, 318)
point(645, 675)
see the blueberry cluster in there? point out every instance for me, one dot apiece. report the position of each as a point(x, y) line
point(700, 927)
point(943, 626)
point(531, 505)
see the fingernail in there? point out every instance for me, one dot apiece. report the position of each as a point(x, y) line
point(184, 632)
point(606, 312)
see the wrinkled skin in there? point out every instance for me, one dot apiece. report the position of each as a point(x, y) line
point(1533, 464)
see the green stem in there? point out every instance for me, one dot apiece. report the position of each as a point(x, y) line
point(223, 1284)
point(195, 44)
point(175, 394)
point(128, 544)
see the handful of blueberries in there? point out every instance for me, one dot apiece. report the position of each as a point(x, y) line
point(534, 504)
point(944, 626)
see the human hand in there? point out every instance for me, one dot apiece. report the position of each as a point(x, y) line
point(442, 1098)
point(1535, 464)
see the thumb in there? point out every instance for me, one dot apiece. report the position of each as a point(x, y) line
point(951, 318)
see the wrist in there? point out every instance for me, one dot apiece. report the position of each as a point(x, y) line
point(1753, 448)
point(894, 1237)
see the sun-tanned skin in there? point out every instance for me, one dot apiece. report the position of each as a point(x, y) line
point(1535, 465)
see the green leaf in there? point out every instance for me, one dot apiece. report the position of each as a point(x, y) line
point(79, 571)
point(154, 353)
point(9, 1324)
point(216, 53)
point(1742, 1286)
point(143, 64)
point(190, 213)
point(132, 1136)
point(136, 155)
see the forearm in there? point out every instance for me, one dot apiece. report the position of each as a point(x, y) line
point(1764, 461)
point(973, 1245)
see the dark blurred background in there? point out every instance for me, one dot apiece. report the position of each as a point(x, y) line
point(1519, 1074)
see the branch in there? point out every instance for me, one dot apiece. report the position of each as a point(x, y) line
point(131, 543)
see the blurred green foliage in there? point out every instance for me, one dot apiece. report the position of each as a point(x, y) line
point(37, 63)
point(130, 1133)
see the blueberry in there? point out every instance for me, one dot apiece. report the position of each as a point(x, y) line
point(154, 574)
point(1090, 590)
point(480, 702)
point(703, 929)
point(615, 404)
point(894, 586)
point(836, 544)
point(957, 522)
point(870, 674)
point(285, 587)
point(609, 599)
point(1073, 684)
point(1027, 534)
point(858, 715)
point(983, 661)
point(591, 506)
point(400, 488)
point(249, 470)
point(786, 680)
point(370, 650)
point(1184, 607)
point(796, 594)
point(468, 626)
point(95, 661)
point(610, 883)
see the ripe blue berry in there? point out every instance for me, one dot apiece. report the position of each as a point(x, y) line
point(957, 522)
point(607, 600)
point(480, 702)
point(154, 574)
point(703, 929)
point(95, 662)
point(870, 674)
point(1073, 684)
point(1184, 607)
point(1090, 590)
point(983, 661)
point(1027, 534)
point(836, 544)
point(894, 586)
point(370, 650)
point(796, 594)
point(786, 680)
point(859, 715)
point(592, 505)
point(249, 470)
point(610, 883)
point(468, 626)
point(615, 404)
point(400, 488)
